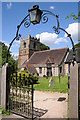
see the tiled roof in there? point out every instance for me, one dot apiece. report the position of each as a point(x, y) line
point(31, 68)
point(54, 56)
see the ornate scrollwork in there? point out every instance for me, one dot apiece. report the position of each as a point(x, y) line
point(18, 37)
point(44, 19)
point(56, 30)
point(27, 23)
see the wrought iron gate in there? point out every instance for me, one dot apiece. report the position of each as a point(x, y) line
point(20, 94)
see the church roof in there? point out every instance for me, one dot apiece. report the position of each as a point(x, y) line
point(55, 56)
point(31, 68)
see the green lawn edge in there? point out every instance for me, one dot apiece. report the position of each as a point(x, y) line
point(44, 84)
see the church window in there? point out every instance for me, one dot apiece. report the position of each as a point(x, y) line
point(54, 70)
point(24, 44)
point(60, 69)
point(40, 69)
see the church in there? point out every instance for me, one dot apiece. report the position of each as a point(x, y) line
point(44, 63)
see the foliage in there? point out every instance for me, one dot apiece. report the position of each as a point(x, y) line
point(78, 50)
point(26, 78)
point(3, 55)
point(44, 84)
point(5, 112)
point(0, 110)
point(77, 45)
point(44, 47)
point(0, 55)
point(73, 16)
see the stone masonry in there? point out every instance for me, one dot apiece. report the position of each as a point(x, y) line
point(27, 47)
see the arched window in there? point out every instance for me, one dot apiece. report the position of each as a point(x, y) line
point(24, 44)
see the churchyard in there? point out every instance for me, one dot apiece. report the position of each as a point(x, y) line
point(44, 84)
point(51, 94)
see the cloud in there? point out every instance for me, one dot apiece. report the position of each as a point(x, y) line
point(73, 30)
point(15, 56)
point(17, 43)
point(9, 5)
point(60, 40)
point(52, 7)
point(50, 39)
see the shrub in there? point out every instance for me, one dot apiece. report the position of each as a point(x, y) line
point(24, 78)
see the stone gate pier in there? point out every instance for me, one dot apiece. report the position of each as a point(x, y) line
point(74, 94)
point(3, 76)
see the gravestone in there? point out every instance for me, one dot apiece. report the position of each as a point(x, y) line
point(51, 82)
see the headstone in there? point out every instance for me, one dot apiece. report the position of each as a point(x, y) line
point(51, 82)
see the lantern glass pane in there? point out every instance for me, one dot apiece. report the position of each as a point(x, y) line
point(33, 16)
point(38, 18)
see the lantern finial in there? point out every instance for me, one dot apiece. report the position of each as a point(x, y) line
point(36, 6)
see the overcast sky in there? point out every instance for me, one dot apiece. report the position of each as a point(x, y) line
point(14, 12)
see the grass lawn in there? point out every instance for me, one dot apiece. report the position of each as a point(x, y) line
point(44, 84)
point(0, 110)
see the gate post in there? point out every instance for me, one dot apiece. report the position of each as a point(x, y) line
point(3, 85)
point(32, 98)
point(74, 91)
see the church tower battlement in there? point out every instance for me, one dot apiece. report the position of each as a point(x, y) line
point(27, 47)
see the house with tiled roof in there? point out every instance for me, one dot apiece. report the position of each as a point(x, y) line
point(47, 62)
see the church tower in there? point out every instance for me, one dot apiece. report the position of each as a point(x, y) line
point(27, 47)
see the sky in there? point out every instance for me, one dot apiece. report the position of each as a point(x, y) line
point(14, 12)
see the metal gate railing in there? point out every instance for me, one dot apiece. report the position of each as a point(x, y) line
point(20, 94)
point(19, 91)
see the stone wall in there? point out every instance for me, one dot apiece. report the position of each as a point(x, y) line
point(25, 51)
point(66, 69)
point(44, 71)
point(55, 71)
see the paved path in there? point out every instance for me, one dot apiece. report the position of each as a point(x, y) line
point(49, 101)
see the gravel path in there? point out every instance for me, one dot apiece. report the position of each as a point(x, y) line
point(49, 101)
point(55, 104)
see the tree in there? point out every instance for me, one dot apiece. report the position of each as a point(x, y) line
point(44, 47)
point(0, 55)
point(3, 54)
point(73, 16)
point(77, 45)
